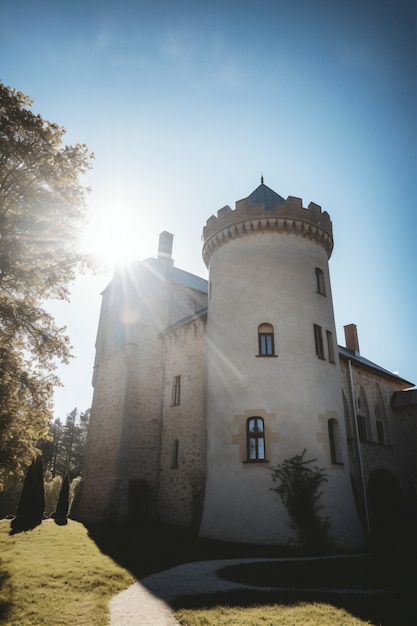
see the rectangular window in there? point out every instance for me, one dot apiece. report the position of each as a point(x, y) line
point(361, 427)
point(255, 439)
point(318, 338)
point(321, 287)
point(330, 347)
point(266, 344)
point(176, 390)
point(380, 432)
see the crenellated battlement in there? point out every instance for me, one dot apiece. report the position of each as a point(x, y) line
point(286, 216)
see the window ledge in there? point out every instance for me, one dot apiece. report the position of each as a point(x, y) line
point(266, 356)
point(256, 461)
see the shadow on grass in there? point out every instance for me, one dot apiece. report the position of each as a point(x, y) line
point(149, 549)
point(145, 550)
point(5, 603)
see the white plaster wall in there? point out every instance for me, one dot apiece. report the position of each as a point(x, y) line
point(269, 277)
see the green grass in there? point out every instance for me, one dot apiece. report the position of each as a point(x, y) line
point(61, 575)
point(304, 614)
point(56, 575)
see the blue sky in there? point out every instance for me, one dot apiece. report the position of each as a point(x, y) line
point(185, 104)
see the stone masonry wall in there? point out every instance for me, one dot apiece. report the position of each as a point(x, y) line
point(183, 450)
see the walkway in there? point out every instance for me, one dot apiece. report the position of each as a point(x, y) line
point(146, 602)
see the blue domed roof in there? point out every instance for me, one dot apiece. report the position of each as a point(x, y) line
point(266, 196)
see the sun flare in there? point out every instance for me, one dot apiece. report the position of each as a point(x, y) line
point(116, 236)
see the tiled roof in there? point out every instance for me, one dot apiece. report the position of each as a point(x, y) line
point(188, 280)
point(266, 196)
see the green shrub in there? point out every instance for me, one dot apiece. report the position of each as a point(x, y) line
point(299, 489)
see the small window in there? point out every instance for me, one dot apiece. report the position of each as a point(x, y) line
point(266, 340)
point(320, 284)
point(255, 439)
point(330, 347)
point(318, 338)
point(334, 440)
point(362, 427)
point(380, 429)
point(176, 390)
point(174, 459)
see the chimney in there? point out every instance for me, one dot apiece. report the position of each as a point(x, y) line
point(351, 338)
point(165, 246)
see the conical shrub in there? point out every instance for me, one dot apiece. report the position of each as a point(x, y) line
point(60, 515)
point(32, 499)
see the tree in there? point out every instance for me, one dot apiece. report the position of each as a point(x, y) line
point(32, 500)
point(42, 209)
point(64, 447)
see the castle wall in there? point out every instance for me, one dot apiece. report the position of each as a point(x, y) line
point(183, 447)
point(93, 501)
point(393, 448)
point(121, 469)
point(176, 388)
point(268, 277)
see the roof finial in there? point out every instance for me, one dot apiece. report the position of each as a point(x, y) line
point(262, 179)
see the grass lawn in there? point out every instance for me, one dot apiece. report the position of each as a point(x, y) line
point(158, 548)
point(64, 575)
point(55, 575)
point(303, 614)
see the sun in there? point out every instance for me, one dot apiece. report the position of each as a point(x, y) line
point(117, 236)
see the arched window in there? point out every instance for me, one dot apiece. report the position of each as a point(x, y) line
point(320, 283)
point(335, 441)
point(255, 439)
point(266, 340)
point(380, 428)
point(364, 429)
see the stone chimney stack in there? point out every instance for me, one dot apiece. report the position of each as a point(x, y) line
point(165, 246)
point(351, 338)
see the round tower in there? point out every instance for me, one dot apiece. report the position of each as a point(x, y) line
point(273, 386)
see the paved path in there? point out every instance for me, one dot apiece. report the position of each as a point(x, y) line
point(146, 602)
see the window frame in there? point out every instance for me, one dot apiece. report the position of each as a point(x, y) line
point(176, 390)
point(362, 431)
point(320, 282)
point(266, 340)
point(380, 427)
point(257, 435)
point(330, 346)
point(318, 340)
point(334, 440)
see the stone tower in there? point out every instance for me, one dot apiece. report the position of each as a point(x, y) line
point(123, 454)
point(273, 374)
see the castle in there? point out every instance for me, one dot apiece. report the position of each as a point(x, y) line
point(201, 387)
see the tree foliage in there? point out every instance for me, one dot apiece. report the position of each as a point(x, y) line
point(64, 448)
point(42, 209)
point(299, 483)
